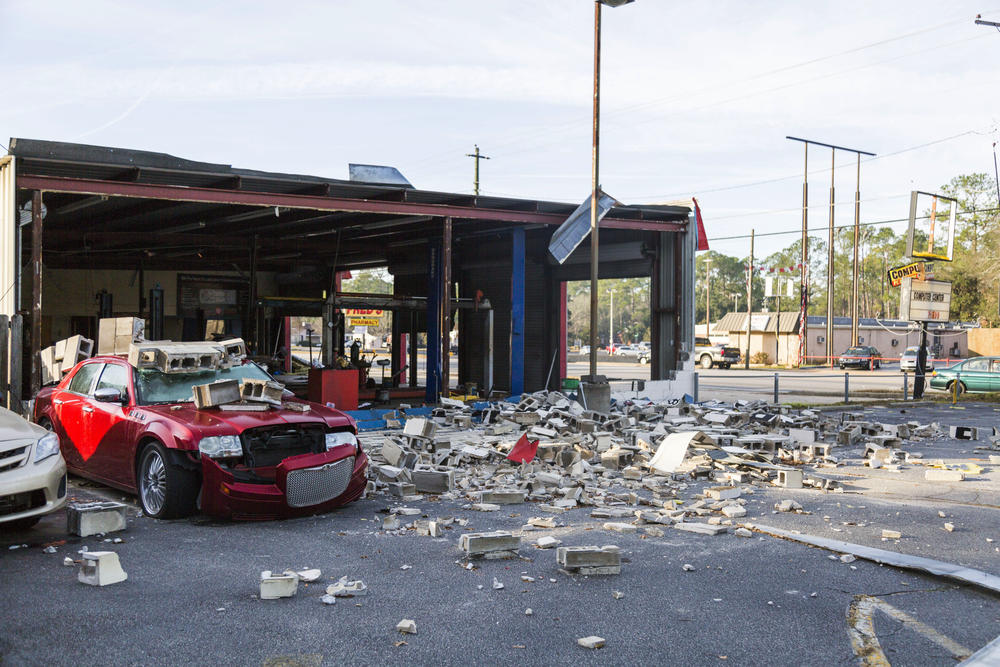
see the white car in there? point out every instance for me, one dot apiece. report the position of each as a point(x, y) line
point(908, 360)
point(32, 472)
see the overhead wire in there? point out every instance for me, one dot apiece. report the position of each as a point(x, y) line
point(721, 85)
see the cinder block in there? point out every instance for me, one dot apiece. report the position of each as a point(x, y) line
point(802, 435)
point(262, 391)
point(942, 475)
point(485, 544)
point(51, 369)
point(216, 393)
point(964, 432)
point(590, 560)
point(419, 426)
point(722, 492)
point(116, 334)
point(77, 348)
point(790, 479)
point(433, 481)
point(402, 489)
point(85, 519)
point(701, 528)
point(274, 586)
point(100, 568)
point(502, 497)
point(234, 348)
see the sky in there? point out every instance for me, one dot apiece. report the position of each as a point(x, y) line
point(697, 97)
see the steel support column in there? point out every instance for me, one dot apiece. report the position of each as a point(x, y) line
point(435, 312)
point(517, 313)
point(562, 329)
point(36, 291)
point(446, 305)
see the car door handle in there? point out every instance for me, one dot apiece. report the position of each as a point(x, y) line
point(57, 401)
point(87, 408)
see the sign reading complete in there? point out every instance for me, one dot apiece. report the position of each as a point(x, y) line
point(912, 270)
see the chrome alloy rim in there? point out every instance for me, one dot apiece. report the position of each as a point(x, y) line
point(153, 482)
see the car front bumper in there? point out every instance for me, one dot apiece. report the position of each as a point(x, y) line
point(33, 489)
point(223, 496)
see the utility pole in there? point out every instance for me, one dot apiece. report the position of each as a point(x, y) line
point(611, 321)
point(475, 178)
point(829, 259)
point(708, 295)
point(746, 362)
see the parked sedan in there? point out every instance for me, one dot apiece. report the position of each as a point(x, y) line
point(908, 360)
point(978, 375)
point(864, 357)
point(32, 472)
point(137, 429)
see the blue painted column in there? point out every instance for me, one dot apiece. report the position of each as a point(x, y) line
point(434, 290)
point(517, 313)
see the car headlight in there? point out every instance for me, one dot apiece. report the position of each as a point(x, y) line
point(47, 445)
point(220, 446)
point(341, 438)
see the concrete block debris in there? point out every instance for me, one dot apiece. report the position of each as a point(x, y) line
point(216, 393)
point(116, 334)
point(347, 589)
point(547, 542)
point(590, 559)
point(274, 586)
point(262, 391)
point(100, 568)
point(407, 626)
point(701, 528)
point(498, 544)
point(592, 642)
point(97, 518)
point(428, 480)
point(964, 432)
point(502, 497)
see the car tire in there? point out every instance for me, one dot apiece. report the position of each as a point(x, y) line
point(21, 524)
point(725, 365)
point(842, 367)
point(166, 491)
point(961, 388)
point(867, 366)
point(643, 360)
point(705, 361)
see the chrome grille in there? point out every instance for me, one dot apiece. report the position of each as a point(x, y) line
point(14, 454)
point(312, 486)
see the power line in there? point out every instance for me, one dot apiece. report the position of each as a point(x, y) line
point(850, 226)
point(543, 131)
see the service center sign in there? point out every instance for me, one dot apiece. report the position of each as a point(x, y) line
point(925, 300)
point(913, 270)
point(360, 317)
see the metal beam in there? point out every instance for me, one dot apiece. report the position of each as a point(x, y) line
point(36, 291)
point(308, 202)
point(517, 313)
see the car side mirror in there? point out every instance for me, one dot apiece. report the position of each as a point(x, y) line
point(110, 395)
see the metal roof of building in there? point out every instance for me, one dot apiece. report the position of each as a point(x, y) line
point(124, 202)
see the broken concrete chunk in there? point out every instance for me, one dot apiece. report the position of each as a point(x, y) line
point(619, 527)
point(542, 522)
point(722, 492)
point(891, 534)
point(742, 532)
point(942, 475)
point(547, 542)
point(347, 589)
point(592, 642)
point(274, 586)
point(85, 519)
point(787, 506)
point(433, 481)
point(261, 391)
point(309, 575)
point(502, 497)
point(964, 432)
point(672, 449)
point(950, 527)
point(100, 568)
point(734, 511)
point(407, 626)
point(701, 528)
point(215, 393)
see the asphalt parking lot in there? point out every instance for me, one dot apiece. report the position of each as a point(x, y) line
point(191, 592)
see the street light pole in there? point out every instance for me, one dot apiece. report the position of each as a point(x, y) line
point(594, 184)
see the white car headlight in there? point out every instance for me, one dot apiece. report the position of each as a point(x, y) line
point(47, 445)
point(341, 438)
point(220, 446)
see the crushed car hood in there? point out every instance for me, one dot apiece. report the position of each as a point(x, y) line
point(214, 420)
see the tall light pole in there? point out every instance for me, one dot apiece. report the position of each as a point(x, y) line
point(594, 172)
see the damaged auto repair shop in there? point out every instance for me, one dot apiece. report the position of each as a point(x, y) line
point(91, 232)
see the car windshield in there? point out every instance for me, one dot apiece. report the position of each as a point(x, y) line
point(911, 350)
point(155, 387)
point(857, 350)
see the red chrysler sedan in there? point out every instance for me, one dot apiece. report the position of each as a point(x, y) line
point(137, 429)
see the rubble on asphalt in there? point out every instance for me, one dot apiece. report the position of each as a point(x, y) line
point(643, 464)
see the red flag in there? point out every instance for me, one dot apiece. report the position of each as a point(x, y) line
point(523, 451)
point(702, 236)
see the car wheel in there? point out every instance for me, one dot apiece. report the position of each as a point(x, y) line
point(643, 360)
point(166, 491)
point(867, 366)
point(725, 365)
point(22, 524)
point(842, 367)
point(706, 361)
point(961, 389)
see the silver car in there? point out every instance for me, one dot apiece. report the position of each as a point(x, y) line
point(908, 360)
point(32, 472)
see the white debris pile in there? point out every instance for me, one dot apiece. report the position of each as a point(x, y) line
point(628, 465)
